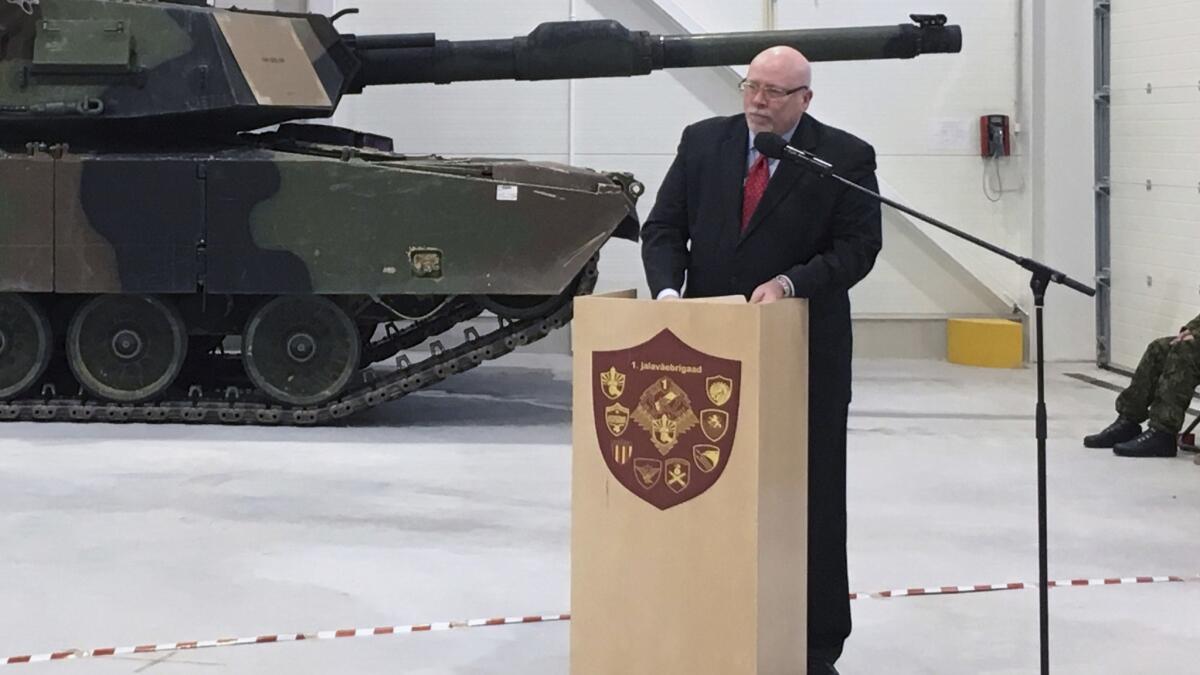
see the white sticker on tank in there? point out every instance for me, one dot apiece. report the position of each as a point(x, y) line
point(506, 193)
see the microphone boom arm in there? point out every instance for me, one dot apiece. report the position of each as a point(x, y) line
point(774, 146)
point(1027, 263)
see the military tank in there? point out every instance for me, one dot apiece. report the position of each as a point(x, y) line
point(179, 243)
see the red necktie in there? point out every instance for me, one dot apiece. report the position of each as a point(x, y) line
point(756, 184)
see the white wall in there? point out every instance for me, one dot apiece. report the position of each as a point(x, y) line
point(920, 114)
point(1155, 137)
point(1060, 40)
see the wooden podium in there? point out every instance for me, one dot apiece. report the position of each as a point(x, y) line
point(689, 487)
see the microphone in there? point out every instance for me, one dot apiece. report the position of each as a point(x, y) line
point(772, 145)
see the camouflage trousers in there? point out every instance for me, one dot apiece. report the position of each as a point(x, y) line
point(1162, 385)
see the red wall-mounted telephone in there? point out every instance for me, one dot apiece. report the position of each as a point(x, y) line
point(994, 136)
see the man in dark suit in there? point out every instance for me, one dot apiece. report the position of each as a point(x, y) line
point(728, 221)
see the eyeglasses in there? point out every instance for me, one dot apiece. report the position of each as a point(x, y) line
point(772, 93)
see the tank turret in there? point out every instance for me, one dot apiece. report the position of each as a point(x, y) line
point(71, 67)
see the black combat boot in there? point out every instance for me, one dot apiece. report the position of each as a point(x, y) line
point(1118, 432)
point(1152, 443)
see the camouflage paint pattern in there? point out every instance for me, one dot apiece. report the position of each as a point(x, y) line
point(147, 60)
point(59, 46)
point(26, 223)
point(267, 222)
point(361, 221)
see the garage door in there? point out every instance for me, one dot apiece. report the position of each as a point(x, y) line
point(1155, 172)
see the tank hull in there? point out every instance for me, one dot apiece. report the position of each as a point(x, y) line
point(265, 221)
point(268, 282)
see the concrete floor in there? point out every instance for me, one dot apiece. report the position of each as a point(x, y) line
point(454, 504)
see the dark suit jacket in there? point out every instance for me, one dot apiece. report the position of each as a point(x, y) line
point(823, 235)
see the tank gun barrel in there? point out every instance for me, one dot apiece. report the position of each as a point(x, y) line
point(604, 48)
point(101, 70)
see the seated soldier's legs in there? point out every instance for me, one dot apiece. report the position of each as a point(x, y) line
point(1172, 394)
point(1179, 378)
point(1133, 404)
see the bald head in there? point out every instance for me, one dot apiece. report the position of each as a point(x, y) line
point(778, 90)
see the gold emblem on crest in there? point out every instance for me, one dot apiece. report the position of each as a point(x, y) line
point(719, 389)
point(616, 416)
point(707, 457)
point(679, 473)
point(665, 411)
point(665, 433)
point(612, 383)
point(714, 423)
point(622, 451)
point(647, 471)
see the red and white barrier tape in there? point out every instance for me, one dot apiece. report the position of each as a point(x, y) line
point(1018, 586)
point(69, 654)
point(271, 639)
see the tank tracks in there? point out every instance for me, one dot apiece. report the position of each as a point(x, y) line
point(371, 389)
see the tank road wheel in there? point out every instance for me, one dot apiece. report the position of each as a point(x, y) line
point(301, 349)
point(24, 344)
point(126, 348)
point(519, 307)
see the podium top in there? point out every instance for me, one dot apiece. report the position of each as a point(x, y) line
point(631, 294)
point(611, 319)
point(720, 300)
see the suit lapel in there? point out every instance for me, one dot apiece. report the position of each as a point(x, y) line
point(787, 177)
point(732, 174)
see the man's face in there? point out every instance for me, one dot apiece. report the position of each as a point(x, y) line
point(775, 94)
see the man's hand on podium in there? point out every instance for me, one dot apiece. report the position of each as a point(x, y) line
point(776, 289)
point(769, 292)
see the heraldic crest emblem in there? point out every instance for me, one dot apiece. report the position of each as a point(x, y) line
point(665, 416)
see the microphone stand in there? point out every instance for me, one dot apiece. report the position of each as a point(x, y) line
point(1042, 276)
